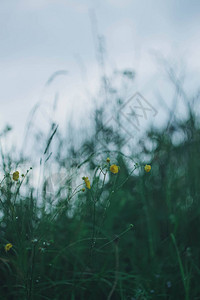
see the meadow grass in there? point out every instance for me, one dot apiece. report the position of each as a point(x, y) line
point(113, 234)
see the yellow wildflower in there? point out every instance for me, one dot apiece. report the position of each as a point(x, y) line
point(114, 169)
point(147, 168)
point(8, 247)
point(16, 175)
point(87, 182)
point(83, 190)
point(108, 160)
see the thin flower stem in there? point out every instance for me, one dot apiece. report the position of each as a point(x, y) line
point(107, 205)
point(17, 192)
point(117, 237)
point(73, 244)
point(127, 178)
point(92, 246)
point(184, 279)
point(29, 292)
point(116, 270)
point(58, 211)
point(104, 179)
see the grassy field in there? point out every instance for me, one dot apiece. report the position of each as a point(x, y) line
point(104, 232)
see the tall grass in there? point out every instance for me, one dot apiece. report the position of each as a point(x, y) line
point(133, 235)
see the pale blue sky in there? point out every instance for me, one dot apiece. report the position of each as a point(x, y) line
point(39, 37)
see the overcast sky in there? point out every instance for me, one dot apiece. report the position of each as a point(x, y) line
point(40, 37)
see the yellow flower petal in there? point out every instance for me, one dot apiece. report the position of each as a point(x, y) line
point(16, 175)
point(8, 247)
point(114, 169)
point(87, 182)
point(147, 168)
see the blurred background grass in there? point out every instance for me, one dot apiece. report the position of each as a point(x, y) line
point(83, 246)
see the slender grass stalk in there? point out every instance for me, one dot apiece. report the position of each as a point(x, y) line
point(149, 230)
point(30, 280)
point(93, 239)
point(185, 279)
point(117, 237)
point(116, 269)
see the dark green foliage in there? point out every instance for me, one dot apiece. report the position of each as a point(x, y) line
point(85, 248)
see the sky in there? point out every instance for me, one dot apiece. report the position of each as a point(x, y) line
point(41, 37)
